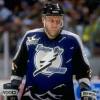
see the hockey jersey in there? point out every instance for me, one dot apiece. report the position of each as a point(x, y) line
point(49, 64)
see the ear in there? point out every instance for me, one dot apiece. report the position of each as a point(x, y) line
point(62, 24)
point(43, 19)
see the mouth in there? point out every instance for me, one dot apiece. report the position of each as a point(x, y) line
point(54, 29)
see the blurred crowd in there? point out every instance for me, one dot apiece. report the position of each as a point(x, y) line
point(81, 17)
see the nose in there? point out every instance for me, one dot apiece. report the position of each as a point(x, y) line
point(55, 24)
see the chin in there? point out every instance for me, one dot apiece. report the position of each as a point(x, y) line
point(54, 35)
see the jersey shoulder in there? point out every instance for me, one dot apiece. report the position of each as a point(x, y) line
point(70, 35)
point(34, 31)
point(73, 37)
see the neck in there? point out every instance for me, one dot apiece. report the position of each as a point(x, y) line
point(50, 36)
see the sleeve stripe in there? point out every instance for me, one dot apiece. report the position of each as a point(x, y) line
point(23, 38)
point(20, 46)
point(85, 80)
point(82, 49)
point(16, 78)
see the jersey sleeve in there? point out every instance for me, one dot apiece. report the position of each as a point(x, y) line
point(81, 67)
point(82, 70)
point(19, 62)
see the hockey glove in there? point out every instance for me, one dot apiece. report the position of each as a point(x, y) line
point(10, 90)
point(86, 92)
point(88, 95)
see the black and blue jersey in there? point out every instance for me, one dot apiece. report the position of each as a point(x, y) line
point(49, 64)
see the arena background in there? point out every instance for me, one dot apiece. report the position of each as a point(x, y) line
point(81, 17)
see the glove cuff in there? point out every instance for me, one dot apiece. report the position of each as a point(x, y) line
point(10, 92)
point(88, 94)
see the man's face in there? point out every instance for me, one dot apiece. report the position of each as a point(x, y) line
point(52, 25)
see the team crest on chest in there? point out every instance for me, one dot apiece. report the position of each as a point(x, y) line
point(48, 60)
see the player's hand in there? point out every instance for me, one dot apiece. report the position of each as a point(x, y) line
point(88, 95)
point(10, 90)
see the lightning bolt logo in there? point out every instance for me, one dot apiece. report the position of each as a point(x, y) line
point(46, 62)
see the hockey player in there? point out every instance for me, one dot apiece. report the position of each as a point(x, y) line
point(49, 57)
